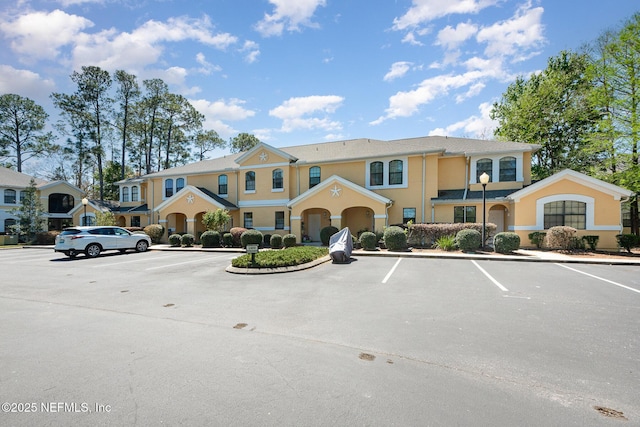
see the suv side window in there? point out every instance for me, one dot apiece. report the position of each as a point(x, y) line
point(121, 232)
point(95, 231)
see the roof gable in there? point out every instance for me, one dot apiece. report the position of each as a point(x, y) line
point(333, 180)
point(206, 195)
point(615, 191)
point(265, 153)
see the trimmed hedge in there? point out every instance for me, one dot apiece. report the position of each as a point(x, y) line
point(560, 237)
point(395, 238)
point(155, 231)
point(426, 235)
point(592, 241)
point(369, 241)
point(506, 242)
point(289, 240)
point(628, 241)
point(175, 240)
point(468, 240)
point(276, 241)
point(187, 240)
point(210, 239)
point(227, 240)
point(284, 258)
point(326, 233)
point(236, 232)
point(537, 238)
point(251, 237)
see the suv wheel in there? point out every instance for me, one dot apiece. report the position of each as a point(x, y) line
point(93, 250)
point(72, 253)
point(142, 246)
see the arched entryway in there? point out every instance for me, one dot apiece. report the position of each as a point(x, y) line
point(498, 216)
point(176, 223)
point(121, 221)
point(314, 220)
point(358, 219)
point(199, 226)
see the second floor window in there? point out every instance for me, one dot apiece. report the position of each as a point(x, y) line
point(125, 194)
point(168, 187)
point(507, 169)
point(134, 193)
point(250, 181)
point(10, 197)
point(222, 184)
point(314, 176)
point(278, 182)
point(484, 166)
point(395, 172)
point(376, 173)
point(179, 184)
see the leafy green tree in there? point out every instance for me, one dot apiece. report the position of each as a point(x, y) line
point(105, 218)
point(554, 109)
point(179, 118)
point(216, 220)
point(22, 129)
point(111, 176)
point(30, 213)
point(149, 115)
point(206, 141)
point(128, 91)
point(243, 142)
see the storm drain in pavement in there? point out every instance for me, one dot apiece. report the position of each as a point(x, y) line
point(611, 413)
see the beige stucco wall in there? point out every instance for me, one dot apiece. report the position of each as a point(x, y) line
point(451, 173)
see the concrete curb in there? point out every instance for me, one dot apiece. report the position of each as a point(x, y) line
point(300, 267)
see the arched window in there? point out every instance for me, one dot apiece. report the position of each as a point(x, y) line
point(507, 169)
point(278, 182)
point(484, 166)
point(570, 213)
point(222, 184)
point(60, 203)
point(9, 197)
point(314, 176)
point(250, 181)
point(168, 187)
point(395, 172)
point(134, 193)
point(125, 194)
point(179, 184)
point(376, 173)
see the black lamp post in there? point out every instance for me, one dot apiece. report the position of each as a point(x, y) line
point(85, 202)
point(484, 180)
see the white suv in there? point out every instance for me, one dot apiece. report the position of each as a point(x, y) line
point(93, 240)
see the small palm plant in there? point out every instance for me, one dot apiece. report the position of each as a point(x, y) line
point(446, 243)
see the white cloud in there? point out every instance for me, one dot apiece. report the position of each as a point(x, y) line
point(474, 127)
point(206, 67)
point(40, 35)
point(253, 50)
point(295, 112)
point(398, 69)
point(25, 83)
point(424, 11)
point(451, 38)
point(514, 36)
point(67, 3)
point(289, 15)
point(410, 38)
point(217, 113)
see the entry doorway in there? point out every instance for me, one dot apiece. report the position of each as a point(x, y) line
point(314, 223)
point(496, 216)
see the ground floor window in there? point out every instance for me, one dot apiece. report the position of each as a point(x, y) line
point(280, 220)
point(248, 220)
point(408, 214)
point(464, 214)
point(569, 213)
point(135, 221)
point(9, 223)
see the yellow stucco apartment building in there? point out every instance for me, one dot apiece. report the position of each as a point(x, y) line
point(368, 184)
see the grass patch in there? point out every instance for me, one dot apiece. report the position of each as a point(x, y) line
point(281, 258)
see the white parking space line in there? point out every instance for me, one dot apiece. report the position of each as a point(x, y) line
point(495, 282)
point(386, 278)
point(138, 260)
point(203, 259)
point(601, 278)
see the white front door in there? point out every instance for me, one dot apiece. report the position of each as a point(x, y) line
point(313, 227)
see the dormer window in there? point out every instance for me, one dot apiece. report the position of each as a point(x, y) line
point(484, 166)
point(179, 184)
point(390, 173)
point(135, 194)
point(507, 169)
point(125, 194)
point(168, 187)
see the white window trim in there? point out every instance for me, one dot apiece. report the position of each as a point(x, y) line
point(175, 180)
point(385, 173)
point(17, 202)
point(495, 167)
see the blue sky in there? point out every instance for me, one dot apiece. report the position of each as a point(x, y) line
point(305, 71)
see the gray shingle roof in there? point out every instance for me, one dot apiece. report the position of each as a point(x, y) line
point(472, 195)
point(217, 198)
point(12, 179)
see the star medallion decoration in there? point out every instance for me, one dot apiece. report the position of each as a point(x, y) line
point(190, 198)
point(335, 191)
point(263, 156)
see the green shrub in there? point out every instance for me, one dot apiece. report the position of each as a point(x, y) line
point(628, 241)
point(326, 233)
point(468, 240)
point(187, 240)
point(537, 238)
point(506, 242)
point(155, 231)
point(276, 241)
point(592, 241)
point(289, 240)
point(395, 239)
point(560, 237)
point(175, 240)
point(577, 244)
point(446, 243)
point(236, 232)
point(210, 239)
point(251, 237)
point(369, 241)
point(426, 235)
point(284, 258)
point(46, 237)
point(227, 240)
point(266, 240)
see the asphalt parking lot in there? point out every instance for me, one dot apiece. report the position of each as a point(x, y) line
point(171, 338)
